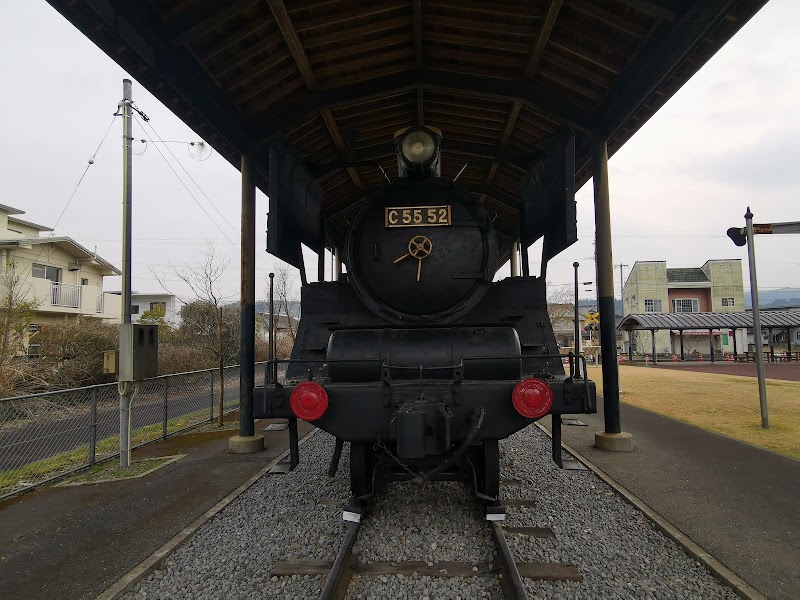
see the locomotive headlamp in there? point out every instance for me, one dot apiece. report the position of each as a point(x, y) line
point(418, 151)
point(418, 146)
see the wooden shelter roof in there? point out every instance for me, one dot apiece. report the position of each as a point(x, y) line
point(339, 77)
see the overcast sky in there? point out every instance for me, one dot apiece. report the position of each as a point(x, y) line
point(726, 140)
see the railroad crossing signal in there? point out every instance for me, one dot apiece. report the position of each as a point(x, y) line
point(592, 318)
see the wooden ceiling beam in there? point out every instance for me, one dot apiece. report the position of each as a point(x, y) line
point(351, 33)
point(542, 37)
point(296, 49)
point(530, 94)
point(232, 39)
point(660, 57)
point(479, 155)
point(416, 19)
point(339, 142)
point(512, 120)
point(609, 18)
point(668, 10)
point(202, 19)
point(286, 26)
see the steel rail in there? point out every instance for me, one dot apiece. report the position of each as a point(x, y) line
point(342, 569)
point(510, 579)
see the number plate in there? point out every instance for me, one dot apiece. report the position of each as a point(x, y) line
point(417, 216)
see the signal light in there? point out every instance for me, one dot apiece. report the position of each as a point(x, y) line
point(532, 398)
point(309, 401)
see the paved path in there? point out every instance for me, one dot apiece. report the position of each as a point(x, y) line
point(73, 542)
point(740, 503)
point(786, 371)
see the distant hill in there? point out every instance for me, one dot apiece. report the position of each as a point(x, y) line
point(774, 298)
point(262, 306)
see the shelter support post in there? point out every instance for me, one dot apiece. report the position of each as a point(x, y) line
point(337, 264)
point(321, 265)
point(735, 352)
point(680, 334)
point(577, 327)
point(711, 343)
point(630, 346)
point(247, 441)
point(613, 438)
point(789, 342)
point(653, 345)
point(771, 345)
point(515, 259)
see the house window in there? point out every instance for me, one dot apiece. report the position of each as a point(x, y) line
point(84, 281)
point(34, 328)
point(134, 309)
point(651, 305)
point(685, 305)
point(160, 307)
point(46, 272)
point(728, 302)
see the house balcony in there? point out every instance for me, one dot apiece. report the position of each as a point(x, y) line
point(68, 299)
point(65, 295)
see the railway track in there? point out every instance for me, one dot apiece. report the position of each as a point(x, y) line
point(431, 540)
point(508, 573)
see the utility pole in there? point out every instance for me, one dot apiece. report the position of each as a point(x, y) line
point(622, 297)
point(127, 194)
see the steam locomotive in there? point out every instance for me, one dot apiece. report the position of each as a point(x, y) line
point(419, 359)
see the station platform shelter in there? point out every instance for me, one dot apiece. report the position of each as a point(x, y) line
point(716, 335)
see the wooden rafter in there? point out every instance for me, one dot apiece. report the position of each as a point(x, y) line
point(338, 141)
point(512, 120)
point(289, 33)
point(203, 18)
point(416, 10)
point(609, 18)
point(284, 22)
point(659, 9)
point(543, 35)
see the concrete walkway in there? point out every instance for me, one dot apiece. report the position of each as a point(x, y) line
point(74, 542)
point(740, 503)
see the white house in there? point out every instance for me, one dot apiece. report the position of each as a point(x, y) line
point(168, 303)
point(62, 277)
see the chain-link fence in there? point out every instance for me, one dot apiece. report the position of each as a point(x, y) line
point(48, 435)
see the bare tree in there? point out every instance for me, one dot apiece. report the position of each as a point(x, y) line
point(209, 319)
point(16, 314)
point(561, 309)
point(285, 323)
point(284, 288)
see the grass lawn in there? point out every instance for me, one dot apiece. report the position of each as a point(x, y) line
point(35, 472)
point(113, 472)
point(725, 404)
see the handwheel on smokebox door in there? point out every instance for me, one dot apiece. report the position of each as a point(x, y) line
point(419, 247)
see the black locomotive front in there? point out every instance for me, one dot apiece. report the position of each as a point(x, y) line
point(428, 363)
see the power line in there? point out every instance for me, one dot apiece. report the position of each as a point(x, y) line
point(43, 246)
point(175, 158)
point(183, 183)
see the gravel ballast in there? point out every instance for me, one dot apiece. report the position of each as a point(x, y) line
point(618, 551)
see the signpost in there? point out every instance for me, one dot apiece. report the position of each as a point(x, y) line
point(741, 236)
